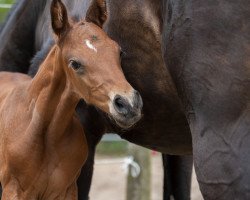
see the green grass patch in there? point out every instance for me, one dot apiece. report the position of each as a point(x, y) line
point(4, 10)
point(7, 1)
point(3, 13)
point(106, 148)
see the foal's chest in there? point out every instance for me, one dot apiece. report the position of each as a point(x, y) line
point(40, 161)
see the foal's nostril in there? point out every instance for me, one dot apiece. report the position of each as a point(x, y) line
point(121, 105)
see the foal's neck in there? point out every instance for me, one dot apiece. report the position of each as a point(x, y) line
point(53, 94)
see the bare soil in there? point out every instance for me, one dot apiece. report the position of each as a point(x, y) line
point(109, 180)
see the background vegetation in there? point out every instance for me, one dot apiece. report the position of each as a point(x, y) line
point(4, 8)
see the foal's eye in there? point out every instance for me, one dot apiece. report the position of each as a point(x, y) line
point(75, 65)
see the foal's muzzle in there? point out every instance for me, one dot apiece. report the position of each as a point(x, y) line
point(127, 109)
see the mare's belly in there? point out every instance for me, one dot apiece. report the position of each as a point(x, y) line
point(160, 135)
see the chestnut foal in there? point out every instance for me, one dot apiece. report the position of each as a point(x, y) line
point(42, 143)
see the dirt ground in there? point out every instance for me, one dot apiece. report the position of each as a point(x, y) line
point(109, 181)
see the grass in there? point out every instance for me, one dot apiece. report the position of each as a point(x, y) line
point(112, 148)
point(7, 1)
point(4, 11)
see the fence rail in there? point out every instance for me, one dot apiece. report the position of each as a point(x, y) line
point(5, 5)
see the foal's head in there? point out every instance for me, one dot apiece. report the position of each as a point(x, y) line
point(92, 63)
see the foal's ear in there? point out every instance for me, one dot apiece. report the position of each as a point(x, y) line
point(97, 12)
point(59, 18)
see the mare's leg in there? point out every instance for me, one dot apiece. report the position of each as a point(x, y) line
point(221, 158)
point(85, 178)
point(177, 176)
point(94, 129)
point(215, 89)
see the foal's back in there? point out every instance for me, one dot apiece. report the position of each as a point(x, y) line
point(9, 81)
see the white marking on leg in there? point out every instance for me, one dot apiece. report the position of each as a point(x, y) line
point(91, 46)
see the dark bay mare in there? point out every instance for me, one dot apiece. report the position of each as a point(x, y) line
point(135, 25)
point(207, 50)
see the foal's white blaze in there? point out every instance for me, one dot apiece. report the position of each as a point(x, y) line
point(90, 46)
